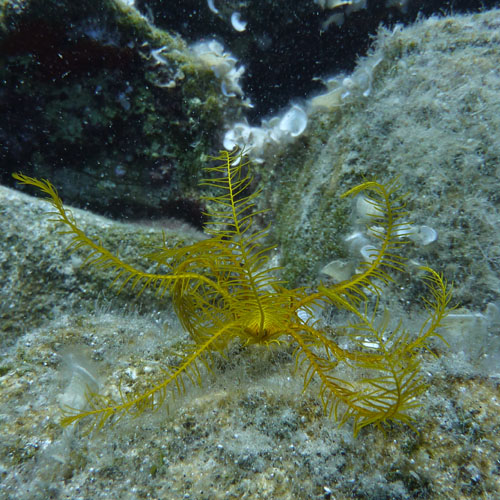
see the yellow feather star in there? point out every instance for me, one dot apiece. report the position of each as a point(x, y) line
point(222, 290)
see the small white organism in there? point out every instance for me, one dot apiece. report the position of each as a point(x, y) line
point(277, 130)
point(237, 23)
point(212, 6)
point(294, 122)
point(423, 235)
point(81, 374)
point(211, 55)
point(343, 89)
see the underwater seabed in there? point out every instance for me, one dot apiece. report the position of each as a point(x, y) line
point(249, 431)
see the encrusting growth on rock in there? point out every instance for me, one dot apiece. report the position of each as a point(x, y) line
point(223, 291)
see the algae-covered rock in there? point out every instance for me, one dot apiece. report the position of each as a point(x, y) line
point(431, 119)
point(42, 279)
point(117, 113)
